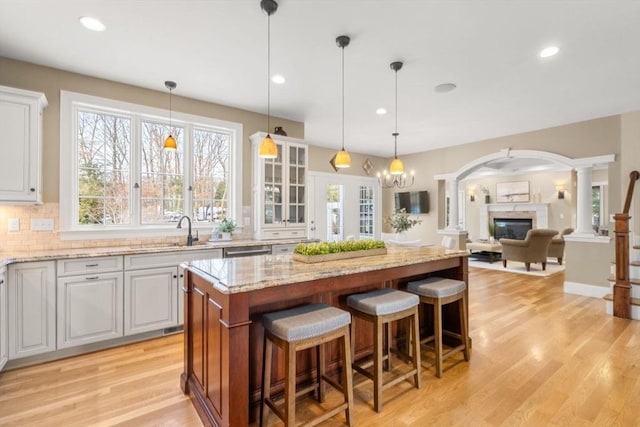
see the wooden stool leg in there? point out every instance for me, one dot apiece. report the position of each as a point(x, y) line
point(267, 349)
point(347, 376)
point(437, 315)
point(387, 347)
point(464, 326)
point(320, 371)
point(413, 337)
point(290, 386)
point(377, 365)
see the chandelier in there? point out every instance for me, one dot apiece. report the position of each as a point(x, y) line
point(387, 180)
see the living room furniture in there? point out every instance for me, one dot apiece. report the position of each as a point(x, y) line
point(299, 328)
point(380, 308)
point(556, 248)
point(438, 291)
point(534, 248)
point(485, 250)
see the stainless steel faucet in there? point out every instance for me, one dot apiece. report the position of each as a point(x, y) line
point(190, 238)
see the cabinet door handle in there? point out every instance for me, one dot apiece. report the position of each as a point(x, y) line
point(91, 265)
point(185, 290)
point(1, 282)
point(181, 276)
point(198, 291)
point(175, 277)
point(32, 190)
point(92, 278)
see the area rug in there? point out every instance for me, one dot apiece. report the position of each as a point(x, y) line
point(518, 267)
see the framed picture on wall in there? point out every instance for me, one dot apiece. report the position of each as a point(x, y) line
point(510, 192)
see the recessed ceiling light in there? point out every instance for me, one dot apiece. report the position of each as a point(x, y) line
point(278, 79)
point(381, 111)
point(549, 51)
point(92, 24)
point(445, 87)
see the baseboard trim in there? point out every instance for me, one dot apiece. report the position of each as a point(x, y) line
point(586, 289)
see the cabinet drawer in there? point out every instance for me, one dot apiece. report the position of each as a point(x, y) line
point(168, 259)
point(283, 249)
point(68, 267)
point(296, 233)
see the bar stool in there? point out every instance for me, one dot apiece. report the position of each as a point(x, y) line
point(298, 329)
point(438, 291)
point(381, 307)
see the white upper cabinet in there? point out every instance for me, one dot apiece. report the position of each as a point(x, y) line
point(279, 189)
point(21, 144)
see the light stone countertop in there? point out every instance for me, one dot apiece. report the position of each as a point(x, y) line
point(15, 257)
point(234, 275)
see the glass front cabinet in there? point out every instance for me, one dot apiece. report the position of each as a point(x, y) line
point(279, 208)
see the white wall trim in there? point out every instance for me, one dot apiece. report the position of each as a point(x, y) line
point(557, 159)
point(587, 238)
point(585, 289)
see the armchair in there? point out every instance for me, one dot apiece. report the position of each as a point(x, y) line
point(533, 248)
point(556, 248)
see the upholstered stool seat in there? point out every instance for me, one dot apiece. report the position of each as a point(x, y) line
point(381, 307)
point(438, 291)
point(298, 329)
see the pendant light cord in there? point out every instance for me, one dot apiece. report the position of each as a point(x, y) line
point(395, 134)
point(342, 98)
point(170, 123)
point(268, 72)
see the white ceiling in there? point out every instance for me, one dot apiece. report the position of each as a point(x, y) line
point(216, 51)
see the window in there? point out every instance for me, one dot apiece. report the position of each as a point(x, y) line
point(598, 217)
point(116, 177)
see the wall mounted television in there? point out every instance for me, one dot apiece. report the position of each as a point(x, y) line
point(415, 202)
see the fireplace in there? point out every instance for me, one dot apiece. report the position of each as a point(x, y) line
point(512, 228)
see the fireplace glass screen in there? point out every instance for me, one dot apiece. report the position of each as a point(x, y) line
point(512, 228)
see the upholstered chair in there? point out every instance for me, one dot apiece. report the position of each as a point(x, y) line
point(556, 248)
point(534, 248)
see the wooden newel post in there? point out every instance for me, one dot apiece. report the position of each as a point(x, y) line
point(622, 287)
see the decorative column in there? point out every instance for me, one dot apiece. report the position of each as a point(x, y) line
point(583, 218)
point(452, 185)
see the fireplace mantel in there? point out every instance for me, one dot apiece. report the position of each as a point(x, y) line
point(540, 214)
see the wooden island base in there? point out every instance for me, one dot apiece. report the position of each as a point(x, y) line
point(226, 298)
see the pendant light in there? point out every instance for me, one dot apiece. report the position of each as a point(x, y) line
point(396, 167)
point(170, 143)
point(268, 148)
point(342, 159)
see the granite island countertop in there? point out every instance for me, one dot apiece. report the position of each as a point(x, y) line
point(48, 255)
point(234, 275)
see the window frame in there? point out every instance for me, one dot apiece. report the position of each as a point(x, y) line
point(71, 102)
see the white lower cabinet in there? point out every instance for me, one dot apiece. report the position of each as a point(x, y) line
point(4, 318)
point(150, 299)
point(32, 308)
point(89, 308)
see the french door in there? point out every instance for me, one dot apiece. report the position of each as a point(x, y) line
point(343, 207)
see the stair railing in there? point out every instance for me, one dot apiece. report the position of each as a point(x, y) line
point(622, 286)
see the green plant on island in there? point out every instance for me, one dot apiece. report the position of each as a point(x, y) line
point(324, 248)
point(227, 226)
point(400, 221)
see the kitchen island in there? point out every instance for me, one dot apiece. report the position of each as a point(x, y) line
point(226, 298)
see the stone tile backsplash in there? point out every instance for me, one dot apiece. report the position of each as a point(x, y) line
point(26, 240)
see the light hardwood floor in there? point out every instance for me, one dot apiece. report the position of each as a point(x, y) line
point(540, 357)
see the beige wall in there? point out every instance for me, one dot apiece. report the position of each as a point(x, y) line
point(584, 139)
point(543, 184)
point(51, 81)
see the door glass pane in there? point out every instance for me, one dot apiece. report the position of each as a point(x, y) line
point(334, 198)
point(366, 212)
